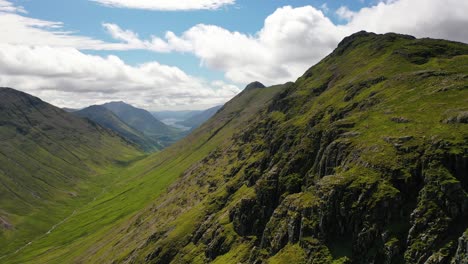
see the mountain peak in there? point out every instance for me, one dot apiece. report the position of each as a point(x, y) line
point(254, 85)
point(10, 96)
point(364, 36)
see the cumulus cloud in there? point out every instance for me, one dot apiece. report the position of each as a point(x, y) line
point(422, 18)
point(293, 39)
point(67, 77)
point(289, 42)
point(165, 5)
point(39, 57)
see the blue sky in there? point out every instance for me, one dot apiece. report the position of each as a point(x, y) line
point(190, 54)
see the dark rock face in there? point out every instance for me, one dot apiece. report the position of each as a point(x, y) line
point(382, 221)
point(245, 217)
point(461, 256)
point(461, 118)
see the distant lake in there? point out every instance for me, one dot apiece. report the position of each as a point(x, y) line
point(173, 123)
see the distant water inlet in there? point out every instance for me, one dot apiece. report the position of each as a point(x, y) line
point(174, 122)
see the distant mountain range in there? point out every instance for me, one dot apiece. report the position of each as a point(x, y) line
point(108, 119)
point(197, 119)
point(186, 120)
point(139, 119)
point(142, 128)
point(136, 125)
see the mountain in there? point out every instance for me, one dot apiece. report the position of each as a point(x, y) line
point(197, 119)
point(254, 85)
point(138, 118)
point(144, 122)
point(50, 162)
point(70, 110)
point(108, 119)
point(363, 159)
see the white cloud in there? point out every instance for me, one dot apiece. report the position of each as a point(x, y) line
point(67, 77)
point(422, 18)
point(132, 41)
point(39, 57)
point(293, 39)
point(167, 5)
point(19, 29)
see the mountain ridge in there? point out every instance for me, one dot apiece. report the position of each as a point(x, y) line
point(108, 119)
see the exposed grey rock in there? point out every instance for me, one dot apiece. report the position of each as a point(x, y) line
point(461, 256)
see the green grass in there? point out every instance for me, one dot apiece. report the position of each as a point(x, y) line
point(289, 254)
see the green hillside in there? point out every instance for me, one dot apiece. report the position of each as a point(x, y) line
point(364, 159)
point(50, 162)
point(108, 119)
point(138, 185)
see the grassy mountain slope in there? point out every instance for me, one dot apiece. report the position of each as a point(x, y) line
point(362, 160)
point(198, 119)
point(85, 235)
point(108, 119)
point(50, 162)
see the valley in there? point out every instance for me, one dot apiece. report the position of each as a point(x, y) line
point(362, 159)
